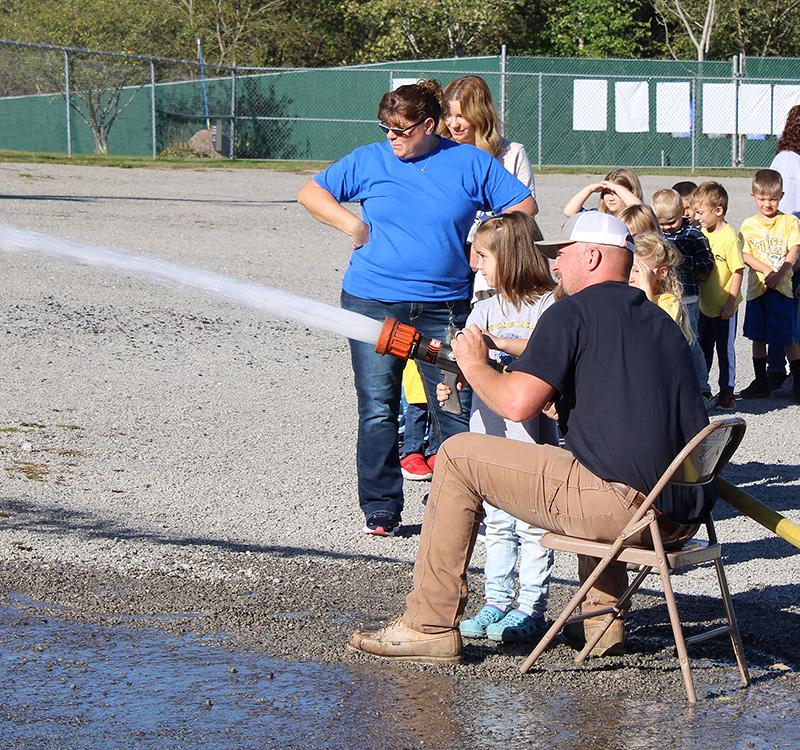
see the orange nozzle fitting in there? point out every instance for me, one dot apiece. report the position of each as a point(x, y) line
point(396, 339)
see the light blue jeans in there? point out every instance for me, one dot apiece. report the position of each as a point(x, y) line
point(507, 536)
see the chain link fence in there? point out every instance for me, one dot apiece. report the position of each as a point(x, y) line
point(567, 112)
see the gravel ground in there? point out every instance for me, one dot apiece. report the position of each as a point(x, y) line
point(164, 451)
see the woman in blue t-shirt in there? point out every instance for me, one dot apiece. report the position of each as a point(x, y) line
point(419, 194)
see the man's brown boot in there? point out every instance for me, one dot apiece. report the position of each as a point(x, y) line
point(612, 642)
point(399, 642)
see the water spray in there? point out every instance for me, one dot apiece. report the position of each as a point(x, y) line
point(271, 301)
point(390, 337)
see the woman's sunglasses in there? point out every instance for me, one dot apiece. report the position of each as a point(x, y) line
point(399, 132)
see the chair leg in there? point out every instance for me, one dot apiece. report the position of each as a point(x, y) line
point(618, 609)
point(677, 630)
point(546, 640)
point(566, 613)
point(736, 639)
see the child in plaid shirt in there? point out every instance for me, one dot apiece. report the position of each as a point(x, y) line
point(697, 264)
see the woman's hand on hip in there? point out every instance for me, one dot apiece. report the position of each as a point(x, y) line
point(359, 234)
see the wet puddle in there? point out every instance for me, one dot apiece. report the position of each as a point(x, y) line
point(72, 685)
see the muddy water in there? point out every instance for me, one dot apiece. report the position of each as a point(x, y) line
point(75, 685)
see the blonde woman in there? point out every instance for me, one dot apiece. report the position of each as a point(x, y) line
point(471, 119)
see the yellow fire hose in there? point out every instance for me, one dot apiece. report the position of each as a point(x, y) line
point(759, 512)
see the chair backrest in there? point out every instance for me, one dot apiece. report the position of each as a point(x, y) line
point(701, 459)
point(712, 448)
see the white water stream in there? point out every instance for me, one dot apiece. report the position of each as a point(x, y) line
point(271, 301)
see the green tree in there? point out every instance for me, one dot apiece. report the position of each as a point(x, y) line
point(601, 28)
point(717, 29)
point(414, 29)
point(303, 33)
point(231, 31)
point(112, 25)
point(100, 86)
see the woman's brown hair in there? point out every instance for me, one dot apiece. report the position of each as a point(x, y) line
point(414, 102)
point(790, 138)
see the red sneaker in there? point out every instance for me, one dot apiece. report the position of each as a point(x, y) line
point(414, 468)
point(726, 402)
point(431, 461)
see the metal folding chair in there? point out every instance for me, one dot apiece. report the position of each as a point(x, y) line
point(703, 457)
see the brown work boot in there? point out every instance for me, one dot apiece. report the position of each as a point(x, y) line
point(399, 642)
point(612, 642)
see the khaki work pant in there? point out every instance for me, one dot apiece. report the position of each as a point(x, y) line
point(540, 484)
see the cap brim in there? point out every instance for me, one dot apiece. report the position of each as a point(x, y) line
point(549, 248)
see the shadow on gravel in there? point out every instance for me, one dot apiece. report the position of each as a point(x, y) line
point(146, 199)
point(649, 634)
point(21, 515)
point(761, 406)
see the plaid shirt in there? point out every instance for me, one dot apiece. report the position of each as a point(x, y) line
point(697, 258)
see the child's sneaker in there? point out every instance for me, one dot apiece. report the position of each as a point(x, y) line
point(414, 467)
point(517, 627)
point(725, 402)
point(476, 627)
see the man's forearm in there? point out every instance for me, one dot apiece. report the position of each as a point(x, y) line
point(512, 395)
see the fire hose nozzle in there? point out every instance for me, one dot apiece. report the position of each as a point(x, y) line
point(406, 342)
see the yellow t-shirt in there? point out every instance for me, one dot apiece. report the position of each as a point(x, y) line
point(672, 306)
point(726, 249)
point(769, 242)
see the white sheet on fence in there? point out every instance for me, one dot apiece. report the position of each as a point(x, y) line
point(631, 106)
point(755, 108)
point(719, 107)
point(784, 97)
point(673, 107)
point(589, 104)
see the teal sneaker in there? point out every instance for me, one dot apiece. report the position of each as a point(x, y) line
point(517, 627)
point(476, 627)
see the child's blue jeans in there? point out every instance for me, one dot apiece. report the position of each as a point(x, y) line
point(507, 537)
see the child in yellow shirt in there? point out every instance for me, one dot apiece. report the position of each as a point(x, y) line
point(771, 241)
point(720, 292)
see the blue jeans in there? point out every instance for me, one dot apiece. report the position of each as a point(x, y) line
point(378, 380)
point(718, 334)
point(505, 536)
point(416, 420)
point(693, 311)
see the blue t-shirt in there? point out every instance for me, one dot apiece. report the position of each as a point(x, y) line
point(418, 220)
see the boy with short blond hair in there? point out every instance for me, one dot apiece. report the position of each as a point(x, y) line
point(771, 241)
point(697, 264)
point(720, 291)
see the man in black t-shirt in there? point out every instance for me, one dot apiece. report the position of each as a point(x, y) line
point(619, 374)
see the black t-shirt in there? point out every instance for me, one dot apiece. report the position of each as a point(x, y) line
point(628, 397)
